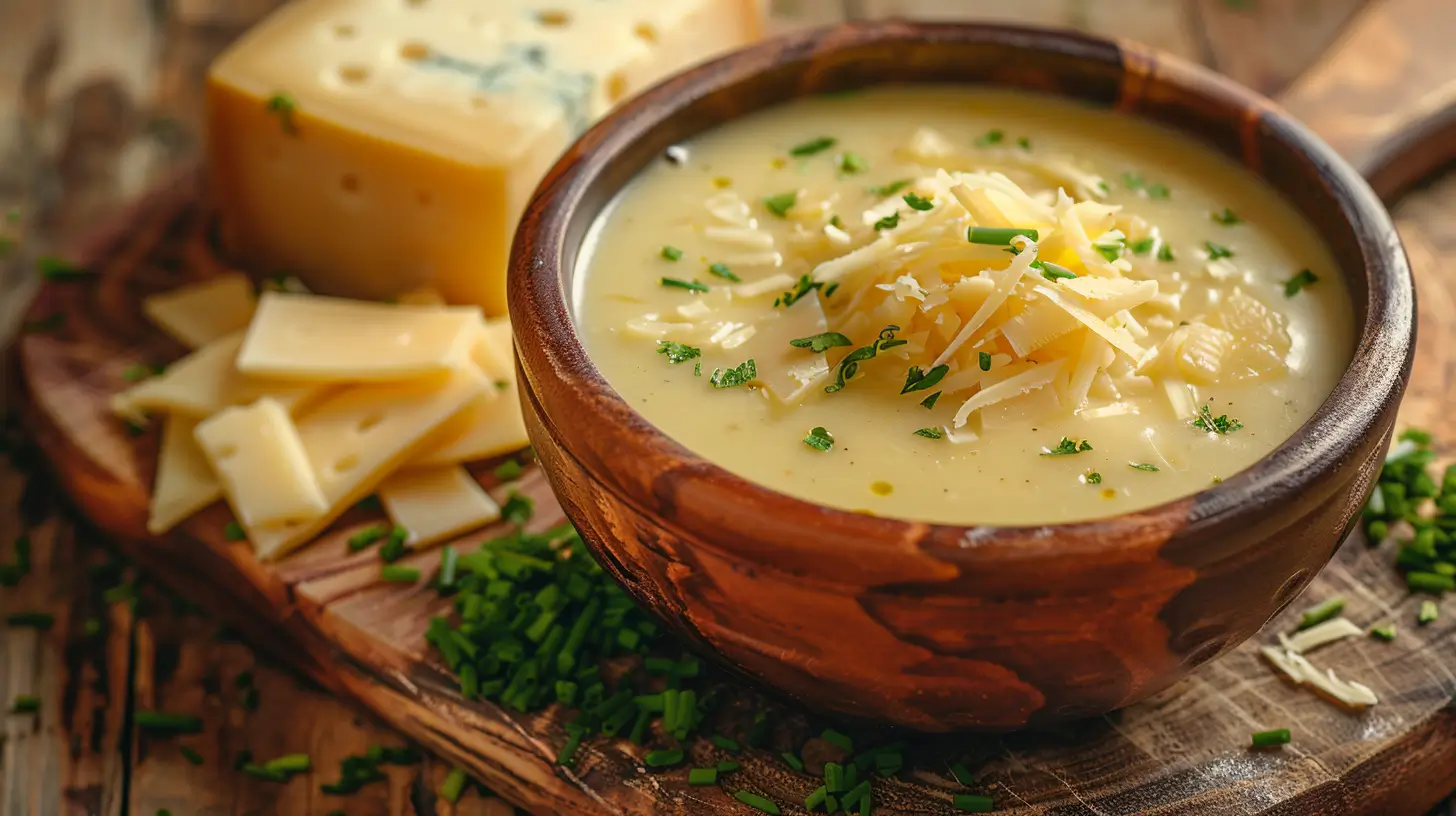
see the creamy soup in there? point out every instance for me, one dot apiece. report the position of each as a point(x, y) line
point(962, 306)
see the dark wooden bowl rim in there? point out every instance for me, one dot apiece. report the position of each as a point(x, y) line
point(612, 152)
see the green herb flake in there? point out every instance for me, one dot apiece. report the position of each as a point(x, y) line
point(812, 146)
point(1111, 251)
point(985, 360)
point(781, 204)
point(1226, 217)
point(1217, 251)
point(819, 343)
point(757, 802)
point(25, 704)
point(719, 270)
point(191, 755)
point(1023, 142)
point(851, 163)
point(166, 722)
point(1143, 466)
point(663, 757)
point(691, 286)
point(367, 537)
point(918, 203)
point(805, 285)
point(509, 470)
point(1054, 272)
point(1165, 253)
point(1158, 191)
point(234, 531)
point(703, 777)
point(678, 352)
point(930, 433)
point(57, 270)
point(889, 189)
point(1428, 614)
point(929, 402)
point(671, 253)
point(284, 107)
point(917, 379)
point(1144, 246)
point(454, 785)
point(819, 439)
point(742, 374)
point(1092, 477)
point(991, 137)
point(1067, 447)
point(1221, 425)
point(888, 222)
point(1296, 284)
point(1385, 633)
point(973, 803)
point(518, 509)
point(1271, 739)
point(999, 236)
point(850, 364)
point(399, 574)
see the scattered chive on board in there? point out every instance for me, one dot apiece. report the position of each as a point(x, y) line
point(1271, 739)
point(670, 253)
point(1321, 612)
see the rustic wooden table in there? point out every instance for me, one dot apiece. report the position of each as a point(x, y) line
point(98, 99)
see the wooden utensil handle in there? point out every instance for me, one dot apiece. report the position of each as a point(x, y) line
point(1384, 95)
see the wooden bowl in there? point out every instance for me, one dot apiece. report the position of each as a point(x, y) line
point(933, 626)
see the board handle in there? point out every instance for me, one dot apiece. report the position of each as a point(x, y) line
point(1384, 95)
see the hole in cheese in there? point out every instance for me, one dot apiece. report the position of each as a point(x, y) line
point(345, 31)
point(353, 74)
point(414, 50)
point(369, 422)
point(553, 18)
point(616, 88)
point(349, 183)
point(346, 463)
point(646, 32)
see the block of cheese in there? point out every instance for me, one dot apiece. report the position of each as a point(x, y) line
point(355, 438)
point(375, 146)
point(259, 459)
point(435, 504)
point(207, 381)
point(306, 337)
point(492, 424)
point(199, 313)
point(185, 482)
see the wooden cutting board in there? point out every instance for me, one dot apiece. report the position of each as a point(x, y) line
point(324, 611)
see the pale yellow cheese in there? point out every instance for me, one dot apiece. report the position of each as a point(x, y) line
point(492, 423)
point(185, 482)
point(206, 381)
point(419, 128)
point(305, 337)
point(259, 459)
point(357, 437)
point(199, 313)
point(435, 504)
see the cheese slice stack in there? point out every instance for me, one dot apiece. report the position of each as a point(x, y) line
point(318, 402)
point(376, 146)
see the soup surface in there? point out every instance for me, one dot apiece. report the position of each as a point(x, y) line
point(962, 306)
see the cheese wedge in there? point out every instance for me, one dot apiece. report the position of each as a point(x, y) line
point(408, 135)
point(259, 459)
point(207, 381)
point(492, 424)
point(185, 482)
point(305, 337)
point(357, 437)
point(199, 313)
point(435, 504)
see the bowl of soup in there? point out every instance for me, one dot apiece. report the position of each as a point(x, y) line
point(959, 376)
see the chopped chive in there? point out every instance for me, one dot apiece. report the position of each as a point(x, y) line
point(888, 222)
point(1144, 466)
point(793, 760)
point(394, 547)
point(999, 236)
point(30, 620)
point(929, 402)
point(1296, 284)
point(283, 106)
point(190, 754)
point(991, 137)
point(1385, 633)
point(1319, 613)
point(567, 755)
point(663, 757)
point(691, 286)
point(837, 738)
point(985, 361)
point(719, 270)
point(671, 253)
point(366, 537)
point(1067, 447)
point(725, 743)
point(454, 785)
point(728, 766)
point(509, 470)
point(831, 289)
point(1429, 613)
point(1432, 582)
point(887, 190)
point(819, 439)
point(1144, 246)
point(781, 204)
point(702, 777)
point(757, 802)
point(1054, 272)
point(852, 163)
point(919, 380)
point(678, 352)
point(820, 343)
point(1023, 142)
point(1165, 253)
point(399, 574)
point(164, 721)
point(1226, 217)
point(918, 203)
point(962, 774)
point(973, 803)
point(233, 531)
point(55, 269)
point(449, 559)
point(259, 772)
point(930, 433)
point(289, 764)
point(816, 799)
point(812, 146)
point(1217, 251)
point(804, 286)
point(25, 704)
point(1157, 191)
point(1270, 739)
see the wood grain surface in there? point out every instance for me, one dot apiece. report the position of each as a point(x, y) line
point(1180, 753)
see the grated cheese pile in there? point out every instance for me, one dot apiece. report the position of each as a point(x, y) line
point(1070, 322)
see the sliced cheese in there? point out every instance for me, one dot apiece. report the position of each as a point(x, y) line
point(492, 424)
point(199, 313)
point(435, 504)
point(1308, 640)
point(305, 337)
point(207, 381)
point(418, 129)
point(357, 437)
point(185, 482)
point(259, 459)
